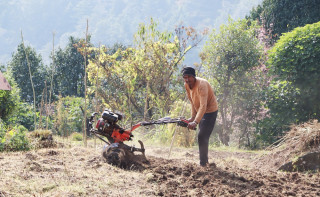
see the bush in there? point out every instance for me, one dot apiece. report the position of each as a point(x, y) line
point(184, 137)
point(14, 139)
point(42, 139)
point(293, 95)
point(68, 116)
point(76, 136)
point(42, 134)
point(295, 60)
point(2, 134)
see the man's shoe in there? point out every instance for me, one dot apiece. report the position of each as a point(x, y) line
point(209, 165)
point(204, 165)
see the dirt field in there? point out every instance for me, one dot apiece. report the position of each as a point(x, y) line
point(79, 171)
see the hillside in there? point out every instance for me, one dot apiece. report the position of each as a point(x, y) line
point(109, 21)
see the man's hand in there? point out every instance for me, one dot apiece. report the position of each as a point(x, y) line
point(192, 125)
point(190, 120)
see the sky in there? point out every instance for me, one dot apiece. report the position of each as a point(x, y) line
point(110, 21)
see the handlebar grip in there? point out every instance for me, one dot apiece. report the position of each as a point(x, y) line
point(146, 123)
point(184, 123)
point(92, 116)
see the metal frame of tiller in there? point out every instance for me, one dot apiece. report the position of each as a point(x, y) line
point(118, 134)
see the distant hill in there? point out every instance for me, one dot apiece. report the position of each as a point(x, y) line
point(110, 21)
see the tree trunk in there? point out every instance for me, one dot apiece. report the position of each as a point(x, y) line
point(34, 94)
point(85, 91)
point(223, 133)
point(146, 103)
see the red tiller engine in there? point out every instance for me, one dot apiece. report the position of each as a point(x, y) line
point(108, 127)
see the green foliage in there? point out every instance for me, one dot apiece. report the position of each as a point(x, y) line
point(231, 57)
point(68, 117)
point(41, 138)
point(14, 139)
point(23, 115)
point(279, 99)
point(9, 99)
point(76, 136)
point(2, 134)
point(247, 106)
point(69, 70)
point(7, 103)
point(60, 126)
point(12, 110)
point(184, 137)
point(20, 72)
point(108, 89)
point(293, 95)
point(295, 57)
point(285, 15)
point(146, 70)
point(144, 75)
point(41, 134)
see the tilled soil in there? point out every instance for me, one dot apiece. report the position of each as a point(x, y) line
point(79, 171)
point(177, 178)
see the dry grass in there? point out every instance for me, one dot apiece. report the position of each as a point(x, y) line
point(304, 137)
point(299, 140)
point(74, 170)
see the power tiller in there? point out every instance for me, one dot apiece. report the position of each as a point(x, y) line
point(107, 127)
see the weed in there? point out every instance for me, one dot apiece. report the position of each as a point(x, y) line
point(48, 188)
point(76, 136)
point(42, 134)
point(14, 139)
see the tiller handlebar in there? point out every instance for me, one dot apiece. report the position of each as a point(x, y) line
point(107, 126)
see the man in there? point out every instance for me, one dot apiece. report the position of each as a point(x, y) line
point(204, 109)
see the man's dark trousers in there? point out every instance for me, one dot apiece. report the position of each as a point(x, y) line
point(206, 126)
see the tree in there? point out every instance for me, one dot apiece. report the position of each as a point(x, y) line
point(20, 72)
point(9, 99)
point(69, 70)
point(285, 15)
point(105, 86)
point(68, 115)
point(12, 110)
point(144, 75)
point(229, 58)
point(293, 96)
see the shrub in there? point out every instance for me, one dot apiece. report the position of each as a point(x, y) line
point(184, 137)
point(68, 116)
point(42, 139)
point(76, 136)
point(2, 134)
point(293, 95)
point(42, 134)
point(15, 139)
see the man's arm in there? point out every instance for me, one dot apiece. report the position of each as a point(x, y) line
point(203, 96)
point(193, 110)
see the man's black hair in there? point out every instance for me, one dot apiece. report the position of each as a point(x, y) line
point(188, 71)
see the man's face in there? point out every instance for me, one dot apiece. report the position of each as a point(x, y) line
point(190, 80)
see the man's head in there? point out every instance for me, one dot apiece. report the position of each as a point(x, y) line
point(189, 76)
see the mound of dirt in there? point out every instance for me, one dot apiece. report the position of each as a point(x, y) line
point(42, 139)
point(298, 150)
point(307, 162)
